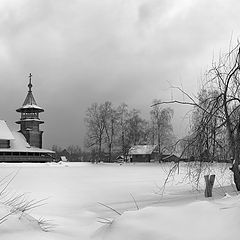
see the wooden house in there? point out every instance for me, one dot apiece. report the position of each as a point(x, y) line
point(142, 153)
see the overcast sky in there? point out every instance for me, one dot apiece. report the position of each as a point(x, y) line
point(85, 51)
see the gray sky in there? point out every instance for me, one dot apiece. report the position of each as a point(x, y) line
point(85, 51)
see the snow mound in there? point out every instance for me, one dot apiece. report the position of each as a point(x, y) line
point(202, 220)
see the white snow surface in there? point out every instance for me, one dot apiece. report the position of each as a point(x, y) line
point(5, 133)
point(74, 191)
point(31, 106)
point(19, 142)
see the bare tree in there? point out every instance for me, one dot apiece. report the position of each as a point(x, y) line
point(224, 78)
point(205, 140)
point(162, 130)
point(122, 122)
point(110, 117)
point(226, 75)
point(117, 129)
point(136, 128)
point(95, 125)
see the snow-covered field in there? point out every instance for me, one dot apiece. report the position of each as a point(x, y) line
point(75, 194)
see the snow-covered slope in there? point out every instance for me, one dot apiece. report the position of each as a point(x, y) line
point(201, 220)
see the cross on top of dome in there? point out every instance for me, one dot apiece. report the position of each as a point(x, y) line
point(30, 82)
point(30, 102)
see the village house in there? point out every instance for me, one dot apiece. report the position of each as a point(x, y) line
point(142, 153)
point(148, 153)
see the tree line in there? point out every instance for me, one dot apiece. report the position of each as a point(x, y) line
point(74, 153)
point(113, 130)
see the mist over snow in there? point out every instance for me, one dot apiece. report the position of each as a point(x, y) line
point(85, 51)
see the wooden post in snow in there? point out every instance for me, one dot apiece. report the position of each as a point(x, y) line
point(209, 180)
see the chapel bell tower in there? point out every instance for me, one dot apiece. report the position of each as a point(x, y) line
point(30, 121)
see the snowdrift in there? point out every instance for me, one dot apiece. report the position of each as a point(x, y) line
point(202, 220)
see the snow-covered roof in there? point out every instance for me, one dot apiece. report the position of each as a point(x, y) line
point(30, 102)
point(5, 133)
point(19, 144)
point(30, 119)
point(31, 106)
point(141, 149)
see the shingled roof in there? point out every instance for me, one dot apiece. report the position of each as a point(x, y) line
point(30, 101)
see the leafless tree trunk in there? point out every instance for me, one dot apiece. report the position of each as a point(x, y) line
point(95, 125)
point(209, 180)
point(110, 117)
point(123, 118)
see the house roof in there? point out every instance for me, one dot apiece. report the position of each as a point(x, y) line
point(5, 133)
point(19, 144)
point(141, 149)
